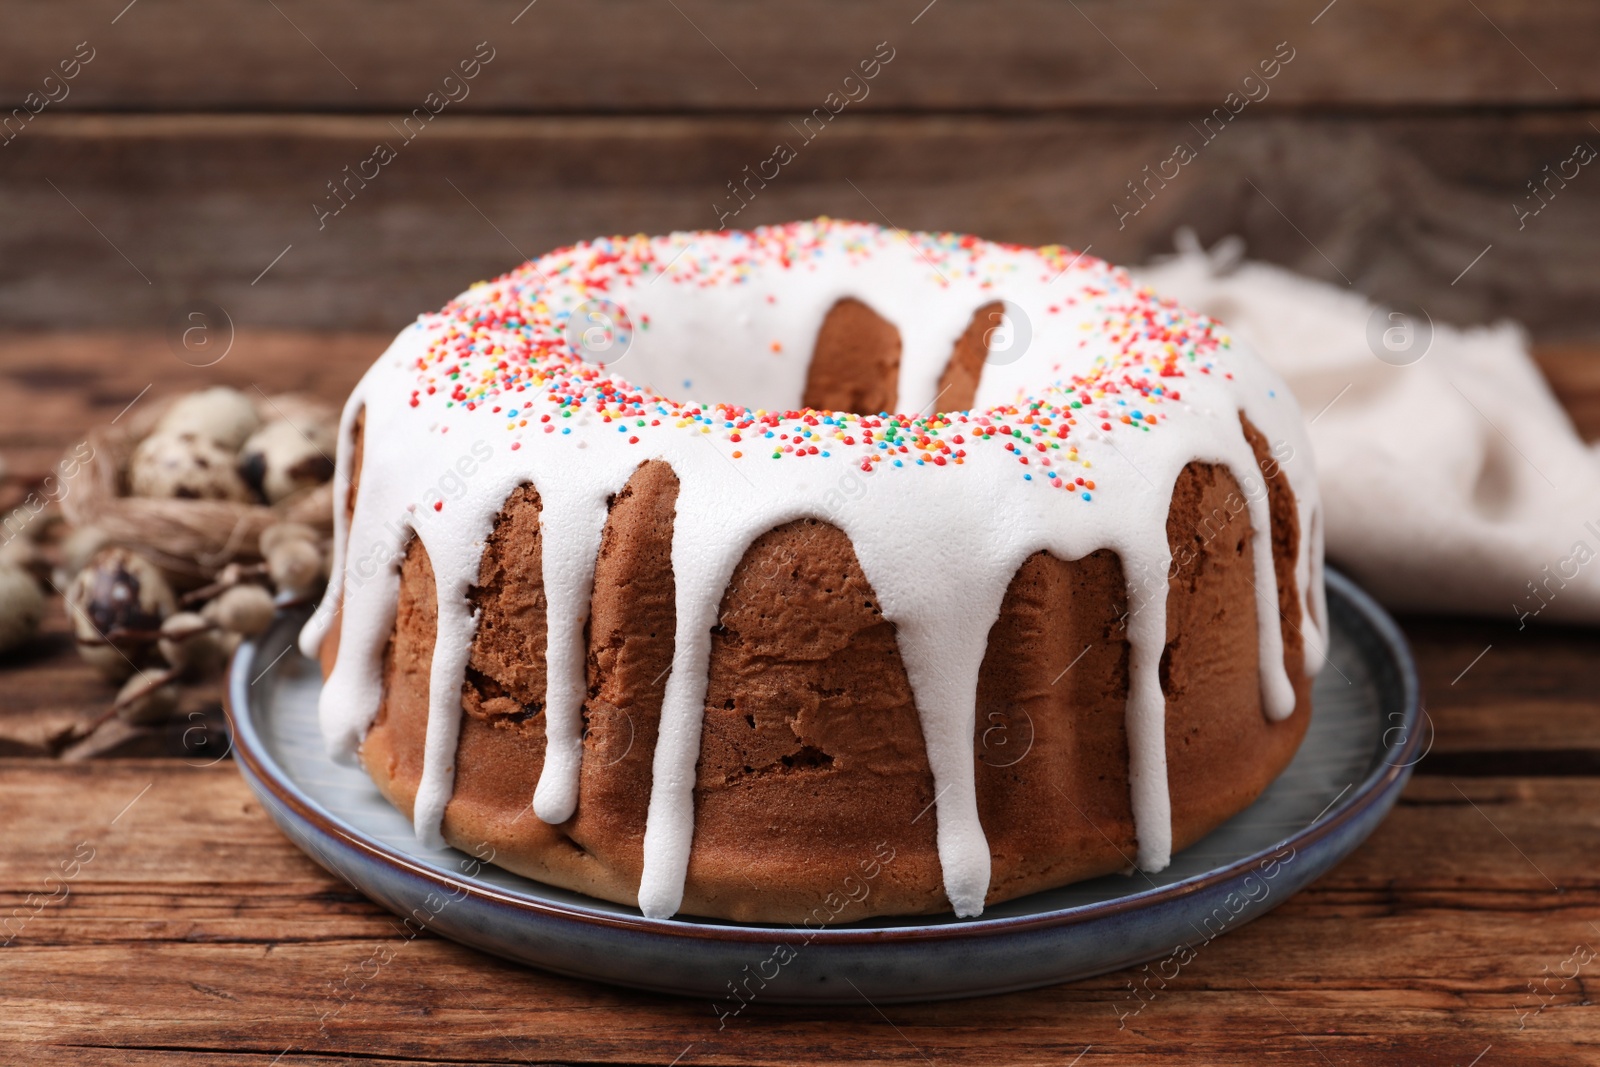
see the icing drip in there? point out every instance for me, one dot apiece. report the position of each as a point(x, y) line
point(1277, 691)
point(570, 523)
point(1308, 572)
point(327, 611)
point(704, 554)
point(1076, 445)
point(352, 692)
point(457, 624)
point(1147, 716)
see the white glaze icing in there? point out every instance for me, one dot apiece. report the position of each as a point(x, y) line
point(736, 315)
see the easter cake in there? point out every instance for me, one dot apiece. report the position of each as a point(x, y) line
point(819, 571)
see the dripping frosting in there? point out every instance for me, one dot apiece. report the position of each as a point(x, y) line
point(1078, 435)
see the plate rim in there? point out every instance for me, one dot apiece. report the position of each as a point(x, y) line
point(1381, 785)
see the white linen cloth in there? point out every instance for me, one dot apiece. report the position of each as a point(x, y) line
point(1452, 482)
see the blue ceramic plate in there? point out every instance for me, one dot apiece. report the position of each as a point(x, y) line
point(1363, 740)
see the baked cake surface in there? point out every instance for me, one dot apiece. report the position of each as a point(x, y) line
point(783, 655)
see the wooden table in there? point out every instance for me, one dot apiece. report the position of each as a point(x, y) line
point(1465, 931)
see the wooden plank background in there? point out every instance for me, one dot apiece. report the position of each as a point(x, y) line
point(730, 55)
point(1406, 954)
point(182, 162)
point(186, 156)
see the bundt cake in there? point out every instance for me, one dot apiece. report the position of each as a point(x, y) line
point(977, 571)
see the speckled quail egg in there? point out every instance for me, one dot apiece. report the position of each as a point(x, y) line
point(244, 609)
point(285, 457)
point(225, 416)
point(185, 466)
point(21, 607)
point(117, 604)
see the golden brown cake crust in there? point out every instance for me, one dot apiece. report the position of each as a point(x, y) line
point(811, 757)
point(501, 751)
point(1052, 746)
point(812, 768)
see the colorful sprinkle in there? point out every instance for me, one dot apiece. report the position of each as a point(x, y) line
point(503, 346)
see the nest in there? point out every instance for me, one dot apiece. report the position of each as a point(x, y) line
point(191, 540)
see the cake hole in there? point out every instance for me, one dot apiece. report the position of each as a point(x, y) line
point(744, 346)
point(855, 363)
point(496, 702)
point(958, 385)
point(808, 758)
